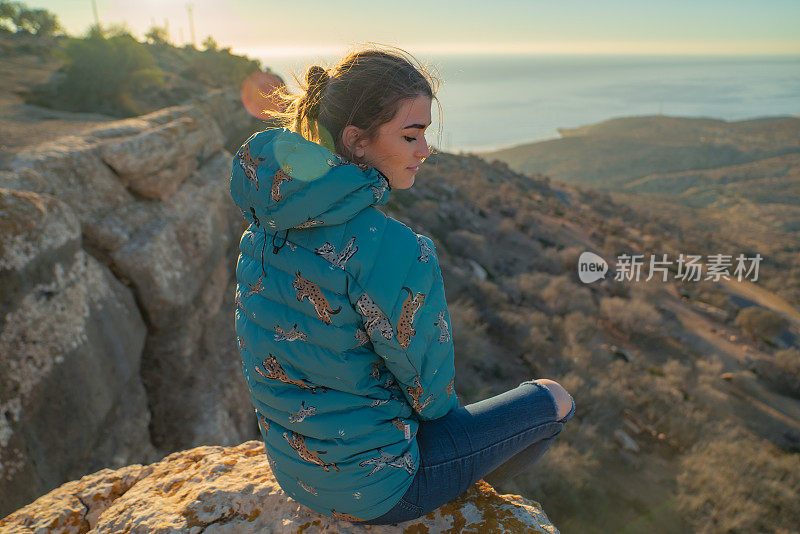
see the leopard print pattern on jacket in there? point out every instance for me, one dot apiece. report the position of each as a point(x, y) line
point(308, 223)
point(279, 178)
point(416, 393)
point(273, 371)
point(405, 328)
point(375, 319)
point(307, 289)
point(298, 443)
point(249, 164)
point(344, 517)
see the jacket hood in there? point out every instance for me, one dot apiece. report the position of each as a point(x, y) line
point(281, 180)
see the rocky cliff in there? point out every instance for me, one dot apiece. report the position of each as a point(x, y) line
point(231, 490)
point(117, 254)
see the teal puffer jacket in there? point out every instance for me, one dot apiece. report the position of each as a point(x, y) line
point(342, 326)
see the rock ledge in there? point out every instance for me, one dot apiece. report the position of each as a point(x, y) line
point(218, 490)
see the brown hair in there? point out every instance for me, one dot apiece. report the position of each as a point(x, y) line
point(365, 89)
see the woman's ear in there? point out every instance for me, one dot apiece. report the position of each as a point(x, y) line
point(352, 140)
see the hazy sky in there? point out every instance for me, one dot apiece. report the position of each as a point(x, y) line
point(570, 26)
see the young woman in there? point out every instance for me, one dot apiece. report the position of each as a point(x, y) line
point(341, 317)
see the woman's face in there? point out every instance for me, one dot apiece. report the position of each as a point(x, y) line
point(400, 146)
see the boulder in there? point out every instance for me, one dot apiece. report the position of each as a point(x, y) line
point(151, 197)
point(167, 250)
point(228, 112)
point(71, 340)
point(69, 168)
point(179, 256)
point(156, 161)
point(232, 490)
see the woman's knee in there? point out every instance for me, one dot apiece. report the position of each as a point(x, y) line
point(563, 399)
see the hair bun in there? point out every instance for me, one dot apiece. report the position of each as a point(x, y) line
point(317, 76)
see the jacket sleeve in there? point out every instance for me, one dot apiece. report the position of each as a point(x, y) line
point(410, 331)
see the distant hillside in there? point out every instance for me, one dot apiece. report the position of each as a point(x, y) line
point(736, 184)
point(614, 153)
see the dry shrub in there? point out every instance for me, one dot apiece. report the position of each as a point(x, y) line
point(542, 347)
point(505, 226)
point(569, 257)
point(540, 328)
point(710, 293)
point(467, 244)
point(574, 383)
point(708, 390)
point(578, 328)
point(760, 323)
point(734, 481)
point(650, 291)
point(473, 351)
point(620, 289)
point(424, 212)
point(580, 357)
point(782, 371)
point(488, 295)
point(562, 295)
point(468, 330)
point(677, 373)
point(552, 262)
point(633, 316)
point(654, 400)
point(511, 328)
point(613, 246)
point(529, 286)
point(526, 330)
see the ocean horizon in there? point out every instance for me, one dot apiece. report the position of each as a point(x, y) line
point(496, 101)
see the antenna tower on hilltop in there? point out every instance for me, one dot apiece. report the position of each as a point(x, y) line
point(191, 23)
point(96, 18)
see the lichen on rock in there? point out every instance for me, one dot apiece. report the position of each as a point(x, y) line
point(232, 490)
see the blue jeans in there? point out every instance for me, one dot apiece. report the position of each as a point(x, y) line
point(494, 439)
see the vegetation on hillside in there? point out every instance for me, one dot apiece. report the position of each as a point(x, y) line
point(109, 71)
point(509, 245)
point(18, 18)
point(736, 184)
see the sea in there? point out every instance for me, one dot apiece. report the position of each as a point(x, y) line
point(496, 101)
